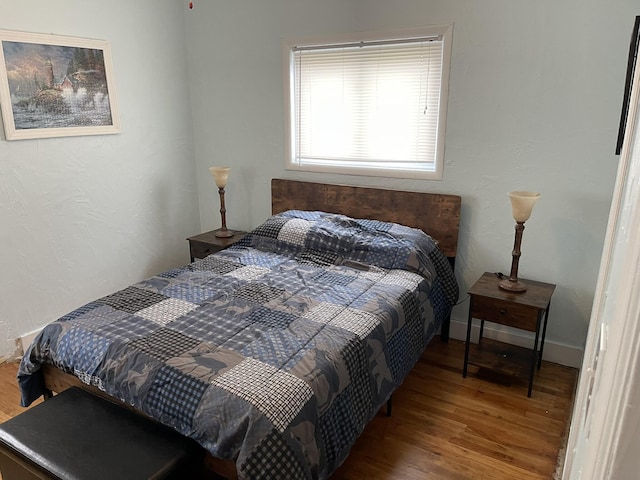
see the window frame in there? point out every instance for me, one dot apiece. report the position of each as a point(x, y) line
point(443, 31)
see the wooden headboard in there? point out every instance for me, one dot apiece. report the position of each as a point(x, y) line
point(433, 213)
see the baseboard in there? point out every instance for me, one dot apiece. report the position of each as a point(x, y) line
point(22, 343)
point(554, 352)
point(12, 357)
point(8, 358)
point(27, 338)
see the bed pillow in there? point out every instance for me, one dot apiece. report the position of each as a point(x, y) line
point(327, 238)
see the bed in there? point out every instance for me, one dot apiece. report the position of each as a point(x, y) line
point(275, 353)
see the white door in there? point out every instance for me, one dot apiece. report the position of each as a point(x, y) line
point(605, 428)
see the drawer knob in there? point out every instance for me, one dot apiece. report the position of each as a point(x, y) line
point(503, 311)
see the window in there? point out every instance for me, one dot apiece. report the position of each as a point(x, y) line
point(373, 104)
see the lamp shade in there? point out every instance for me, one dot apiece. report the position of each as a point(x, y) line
point(220, 175)
point(522, 204)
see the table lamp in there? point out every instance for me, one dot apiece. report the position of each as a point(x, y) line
point(220, 175)
point(521, 205)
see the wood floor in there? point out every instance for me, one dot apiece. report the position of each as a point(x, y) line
point(445, 427)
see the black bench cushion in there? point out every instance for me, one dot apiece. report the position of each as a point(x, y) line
point(77, 435)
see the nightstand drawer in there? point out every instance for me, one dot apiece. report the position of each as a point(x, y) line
point(505, 313)
point(201, 250)
point(207, 243)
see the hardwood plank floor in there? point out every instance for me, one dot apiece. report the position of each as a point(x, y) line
point(445, 427)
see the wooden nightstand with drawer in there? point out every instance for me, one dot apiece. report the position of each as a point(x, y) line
point(207, 243)
point(528, 310)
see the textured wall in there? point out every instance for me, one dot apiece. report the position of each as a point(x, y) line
point(81, 217)
point(535, 96)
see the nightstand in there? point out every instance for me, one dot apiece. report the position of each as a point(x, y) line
point(528, 310)
point(207, 243)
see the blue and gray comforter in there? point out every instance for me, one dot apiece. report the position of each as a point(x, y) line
point(274, 353)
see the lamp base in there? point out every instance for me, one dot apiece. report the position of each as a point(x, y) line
point(224, 233)
point(512, 285)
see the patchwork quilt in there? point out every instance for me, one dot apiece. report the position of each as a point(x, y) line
point(274, 353)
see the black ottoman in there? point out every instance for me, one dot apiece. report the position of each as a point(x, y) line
point(79, 436)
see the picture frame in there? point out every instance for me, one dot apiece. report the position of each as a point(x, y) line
point(56, 86)
point(632, 59)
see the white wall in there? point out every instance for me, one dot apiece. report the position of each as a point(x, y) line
point(535, 98)
point(81, 217)
point(534, 103)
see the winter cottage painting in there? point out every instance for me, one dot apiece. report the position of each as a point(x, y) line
point(56, 89)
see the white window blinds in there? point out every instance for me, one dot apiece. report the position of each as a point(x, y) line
point(372, 105)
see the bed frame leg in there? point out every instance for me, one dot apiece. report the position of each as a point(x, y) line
point(444, 330)
point(389, 406)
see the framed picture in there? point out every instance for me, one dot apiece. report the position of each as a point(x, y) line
point(56, 86)
point(632, 60)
